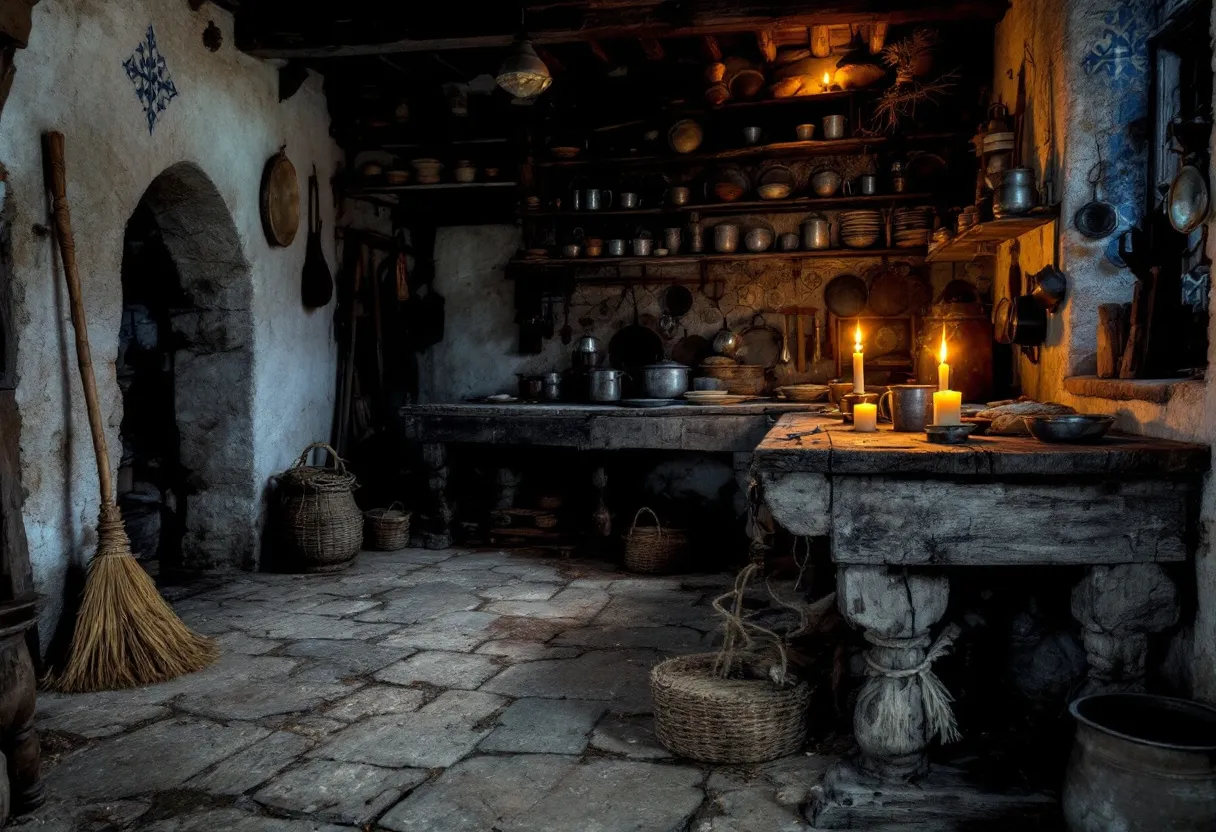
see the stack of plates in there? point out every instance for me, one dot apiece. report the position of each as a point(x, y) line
point(996, 142)
point(536, 254)
point(713, 397)
point(969, 217)
point(912, 227)
point(860, 229)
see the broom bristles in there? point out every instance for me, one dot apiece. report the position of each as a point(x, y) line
point(126, 635)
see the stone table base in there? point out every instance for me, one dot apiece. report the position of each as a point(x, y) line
point(946, 800)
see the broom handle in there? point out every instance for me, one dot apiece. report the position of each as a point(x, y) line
point(56, 176)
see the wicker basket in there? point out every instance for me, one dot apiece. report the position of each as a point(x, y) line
point(713, 720)
point(654, 549)
point(386, 529)
point(321, 527)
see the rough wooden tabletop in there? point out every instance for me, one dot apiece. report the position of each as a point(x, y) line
point(838, 449)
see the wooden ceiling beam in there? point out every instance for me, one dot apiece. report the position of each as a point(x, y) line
point(268, 32)
point(598, 50)
point(768, 48)
point(653, 49)
point(711, 48)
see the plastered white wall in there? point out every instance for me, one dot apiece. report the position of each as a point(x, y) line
point(1081, 111)
point(226, 119)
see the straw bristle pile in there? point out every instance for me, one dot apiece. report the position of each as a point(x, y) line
point(126, 634)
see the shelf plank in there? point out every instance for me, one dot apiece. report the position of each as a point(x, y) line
point(761, 206)
point(694, 259)
point(372, 190)
point(981, 240)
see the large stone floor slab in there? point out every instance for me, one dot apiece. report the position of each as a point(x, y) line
point(417, 691)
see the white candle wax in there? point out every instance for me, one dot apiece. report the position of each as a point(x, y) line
point(947, 407)
point(865, 417)
point(859, 363)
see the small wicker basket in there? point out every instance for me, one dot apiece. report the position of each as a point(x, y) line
point(386, 529)
point(730, 721)
point(654, 549)
point(321, 527)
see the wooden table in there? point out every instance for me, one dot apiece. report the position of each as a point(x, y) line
point(901, 511)
point(734, 429)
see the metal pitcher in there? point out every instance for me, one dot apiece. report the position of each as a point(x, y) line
point(908, 406)
point(673, 238)
point(596, 199)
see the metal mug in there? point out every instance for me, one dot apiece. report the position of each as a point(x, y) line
point(672, 239)
point(551, 387)
point(596, 199)
point(616, 248)
point(788, 241)
point(628, 199)
point(867, 184)
point(833, 127)
point(642, 246)
point(678, 195)
point(908, 406)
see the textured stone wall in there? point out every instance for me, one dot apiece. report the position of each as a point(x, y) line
point(1097, 101)
point(226, 121)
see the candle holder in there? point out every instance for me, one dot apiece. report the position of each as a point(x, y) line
point(849, 399)
point(948, 434)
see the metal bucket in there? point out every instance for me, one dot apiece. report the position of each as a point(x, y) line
point(1141, 762)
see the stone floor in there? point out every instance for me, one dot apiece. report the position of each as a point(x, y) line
point(417, 691)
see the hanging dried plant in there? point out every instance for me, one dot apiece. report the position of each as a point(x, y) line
point(912, 56)
point(901, 100)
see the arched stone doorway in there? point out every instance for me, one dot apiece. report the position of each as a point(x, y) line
point(186, 368)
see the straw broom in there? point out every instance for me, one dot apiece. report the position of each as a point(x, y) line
point(125, 635)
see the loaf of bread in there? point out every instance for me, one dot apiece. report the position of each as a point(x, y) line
point(1007, 418)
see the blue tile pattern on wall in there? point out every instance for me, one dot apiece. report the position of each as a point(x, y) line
point(1122, 48)
point(149, 72)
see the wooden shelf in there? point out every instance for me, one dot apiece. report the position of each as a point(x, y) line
point(815, 147)
point(382, 190)
point(698, 259)
point(761, 206)
point(981, 240)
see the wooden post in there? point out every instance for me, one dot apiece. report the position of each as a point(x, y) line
point(1112, 337)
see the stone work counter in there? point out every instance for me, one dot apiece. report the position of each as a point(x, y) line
point(901, 513)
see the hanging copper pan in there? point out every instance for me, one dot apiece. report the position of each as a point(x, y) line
point(280, 200)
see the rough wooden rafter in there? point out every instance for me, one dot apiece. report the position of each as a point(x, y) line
point(711, 48)
point(768, 47)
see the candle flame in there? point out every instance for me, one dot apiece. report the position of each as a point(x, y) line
point(827, 79)
point(942, 352)
point(857, 338)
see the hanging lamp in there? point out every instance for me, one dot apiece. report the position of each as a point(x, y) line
point(523, 73)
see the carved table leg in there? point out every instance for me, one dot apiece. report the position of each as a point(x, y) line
point(19, 740)
point(1119, 607)
point(435, 458)
point(902, 705)
point(508, 483)
point(601, 518)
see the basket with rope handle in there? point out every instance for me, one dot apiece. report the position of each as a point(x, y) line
point(387, 529)
point(321, 527)
point(654, 549)
point(739, 705)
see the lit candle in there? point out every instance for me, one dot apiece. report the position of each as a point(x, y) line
point(859, 363)
point(947, 403)
point(827, 81)
point(943, 369)
point(865, 417)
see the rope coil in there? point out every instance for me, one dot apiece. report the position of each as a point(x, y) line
point(891, 714)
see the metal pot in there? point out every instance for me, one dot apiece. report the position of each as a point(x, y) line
point(531, 386)
point(726, 237)
point(588, 353)
point(758, 239)
point(788, 241)
point(826, 182)
point(1017, 194)
point(672, 239)
point(571, 251)
point(551, 387)
point(605, 385)
point(1141, 762)
point(665, 380)
point(628, 199)
point(678, 195)
point(616, 248)
point(816, 234)
point(867, 184)
point(642, 246)
point(910, 408)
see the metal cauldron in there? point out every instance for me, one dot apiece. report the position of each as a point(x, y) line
point(1141, 762)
